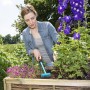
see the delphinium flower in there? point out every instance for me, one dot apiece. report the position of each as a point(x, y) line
point(67, 30)
point(77, 14)
point(76, 17)
point(77, 9)
point(60, 20)
point(67, 19)
point(60, 9)
point(62, 6)
point(76, 36)
point(60, 28)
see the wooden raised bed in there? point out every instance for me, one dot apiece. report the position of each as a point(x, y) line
point(45, 84)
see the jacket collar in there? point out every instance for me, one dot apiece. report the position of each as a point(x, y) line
point(39, 26)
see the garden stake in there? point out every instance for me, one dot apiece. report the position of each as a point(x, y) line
point(45, 74)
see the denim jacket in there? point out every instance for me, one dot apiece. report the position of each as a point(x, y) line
point(48, 34)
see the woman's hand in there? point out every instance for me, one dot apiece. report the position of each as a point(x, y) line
point(37, 54)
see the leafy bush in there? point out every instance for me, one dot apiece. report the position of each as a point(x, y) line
point(4, 64)
point(16, 54)
point(12, 55)
point(72, 55)
point(14, 58)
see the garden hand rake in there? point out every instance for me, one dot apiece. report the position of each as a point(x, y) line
point(45, 74)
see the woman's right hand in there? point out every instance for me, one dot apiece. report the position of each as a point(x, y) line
point(37, 54)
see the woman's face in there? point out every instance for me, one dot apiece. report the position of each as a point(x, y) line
point(30, 20)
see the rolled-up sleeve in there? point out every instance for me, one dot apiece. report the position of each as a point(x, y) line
point(27, 44)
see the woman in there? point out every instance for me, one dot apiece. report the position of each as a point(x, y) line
point(39, 37)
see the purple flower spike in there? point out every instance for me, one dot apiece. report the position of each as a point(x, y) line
point(60, 9)
point(67, 19)
point(76, 36)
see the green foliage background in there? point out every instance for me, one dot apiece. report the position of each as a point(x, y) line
point(11, 55)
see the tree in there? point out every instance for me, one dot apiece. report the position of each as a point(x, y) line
point(16, 39)
point(7, 39)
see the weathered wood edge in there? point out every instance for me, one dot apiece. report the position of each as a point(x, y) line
point(57, 82)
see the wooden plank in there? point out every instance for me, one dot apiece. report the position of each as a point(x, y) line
point(45, 84)
point(46, 87)
point(84, 83)
point(4, 84)
point(8, 86)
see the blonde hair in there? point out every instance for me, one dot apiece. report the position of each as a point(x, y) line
point(27, 9)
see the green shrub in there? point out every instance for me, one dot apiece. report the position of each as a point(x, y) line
point(12, 55)
point(72, 55)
